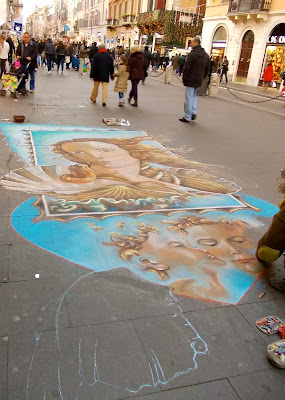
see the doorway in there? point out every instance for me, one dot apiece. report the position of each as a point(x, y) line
point(245, 56)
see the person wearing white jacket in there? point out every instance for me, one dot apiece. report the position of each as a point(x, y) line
point(4, 51)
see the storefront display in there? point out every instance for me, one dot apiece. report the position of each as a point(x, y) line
point(275, 54)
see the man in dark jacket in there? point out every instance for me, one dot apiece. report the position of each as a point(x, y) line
point(27, 52)
point(50, 54)
point(102, 69)
point(147, 56)
point(195, 70)
point(93, 50)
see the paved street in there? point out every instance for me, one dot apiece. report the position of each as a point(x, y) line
point(77, 324)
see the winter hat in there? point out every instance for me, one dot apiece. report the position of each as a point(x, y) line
point(17, 64)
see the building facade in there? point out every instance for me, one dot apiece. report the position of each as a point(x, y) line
point(9, 11)
point(250, 33)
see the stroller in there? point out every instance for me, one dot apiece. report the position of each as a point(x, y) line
point(13, 81)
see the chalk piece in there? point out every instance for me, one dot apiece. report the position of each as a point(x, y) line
point(37, 276)
point(261, 295)
point(81, 106)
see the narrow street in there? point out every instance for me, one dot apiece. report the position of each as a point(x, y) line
point(148, 296)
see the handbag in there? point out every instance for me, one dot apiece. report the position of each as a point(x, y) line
point(67, 59)
point(84, 67)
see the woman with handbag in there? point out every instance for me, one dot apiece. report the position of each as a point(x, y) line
point(137, 65)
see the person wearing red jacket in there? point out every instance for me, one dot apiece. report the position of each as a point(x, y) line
point(267, 76)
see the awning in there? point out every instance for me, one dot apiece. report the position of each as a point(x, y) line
point(66, 28)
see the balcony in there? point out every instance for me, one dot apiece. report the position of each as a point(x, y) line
point(245, 6)
point(128, 19)
point(248, 9)
point(112, 23)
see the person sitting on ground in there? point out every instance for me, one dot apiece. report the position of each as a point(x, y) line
point(272, 245)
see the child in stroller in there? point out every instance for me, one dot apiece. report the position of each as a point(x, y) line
point(18, 70)
point(14, 81)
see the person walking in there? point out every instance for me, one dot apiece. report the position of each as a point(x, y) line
point(4, 54)
point(122, 79)
point(175, 62)
point(102, 69)
point(83, 52)
point(49, 53)
point(181, 63)
point(27, 52)
point(41, 48)
point(60, 53)
point(12, 49)
point(93, 50)
point(147, 56)
point(267, 76)
point(225, 68)
point(138, 66)
point(69, 54)
point(195, 70)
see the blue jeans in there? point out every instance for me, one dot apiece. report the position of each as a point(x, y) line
point(49, 58)
point(60, 61)
point(31, 72)
point(121, 95)
point(190, 103)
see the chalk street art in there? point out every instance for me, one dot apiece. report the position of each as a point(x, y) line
point(119, 196)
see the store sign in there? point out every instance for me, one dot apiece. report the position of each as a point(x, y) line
point(18, 27)
point(219, 45)
point(276, 39)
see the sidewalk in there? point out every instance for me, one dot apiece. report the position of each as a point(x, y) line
point(256, 90)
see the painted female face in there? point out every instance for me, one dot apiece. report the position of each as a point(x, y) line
point(210, 245)
point(104, 154)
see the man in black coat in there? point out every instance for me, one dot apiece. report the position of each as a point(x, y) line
point(27, 52)
point(93, 50)
point(102, 69)
point(195, 70)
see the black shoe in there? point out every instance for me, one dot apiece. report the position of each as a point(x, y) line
point(184, 120)
point(129, 100)
point(194, 116)
point(104, 104)
point(135, 103)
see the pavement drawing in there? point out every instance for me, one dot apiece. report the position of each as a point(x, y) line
point(109, 199)
point(136, 205)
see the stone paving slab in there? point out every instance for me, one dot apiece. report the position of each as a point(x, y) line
point(219, 390)
point(259, 385)
point(4, 263)
point(118, 295)
point(79, 361)
point(233, 347)
point(3, 368)
point(253, 312)
point(26, 260)
point(27, 306)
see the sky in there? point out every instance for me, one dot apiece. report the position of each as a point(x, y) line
point(30, 5)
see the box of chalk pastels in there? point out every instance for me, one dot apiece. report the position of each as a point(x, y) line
point(276, 353)
point(269, 325)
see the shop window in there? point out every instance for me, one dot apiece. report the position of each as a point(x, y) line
point(275, 53)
